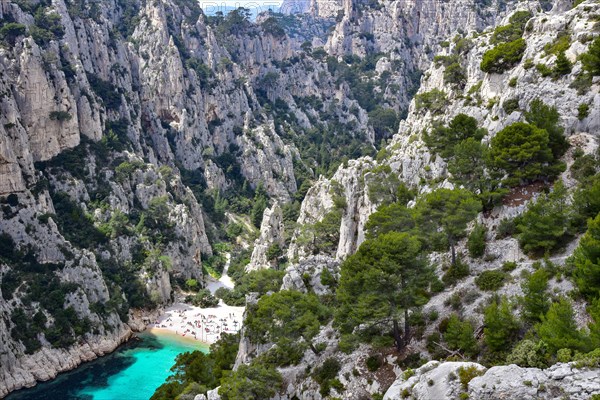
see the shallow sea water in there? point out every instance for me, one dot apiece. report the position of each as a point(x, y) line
point(132, 372)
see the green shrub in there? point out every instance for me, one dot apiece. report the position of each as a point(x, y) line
point(591, 59)
point(491, 280)
point(48, 26)
point(75, 225)
point(456, 272)
point(514, 30)
point(544, 70)
point(203, 72)
point(433, 315)
point(124, 170)
point(204, 299)
point(434, 101)
point(513, 82)
point(510, 106)
point(476, 242)
point(326, 373)
point(254, 381)
point(108, 92)
point(564, 355)
point(503, 57)
point(466, 374)
point(583, 111)
point(11, 31)
point(384, 121)
point(284, 354)
point(454, 74)
point(506, 228)
point(374, 362)
point(509, 266)
point(562, 65)
point(271, 26)
point(584, 167)
point(582, 83)
point(529, 354)
point(60, 116)
point(561, 43)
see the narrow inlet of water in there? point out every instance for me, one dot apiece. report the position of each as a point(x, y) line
point(131, 372)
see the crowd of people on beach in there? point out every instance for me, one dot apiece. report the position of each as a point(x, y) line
point(207, 328)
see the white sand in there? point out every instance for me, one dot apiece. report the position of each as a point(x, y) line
point(203, 324)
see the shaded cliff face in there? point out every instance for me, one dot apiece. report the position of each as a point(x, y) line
point(111, 112)
point(402, 37)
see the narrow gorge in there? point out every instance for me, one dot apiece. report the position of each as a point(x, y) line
point(405, 194)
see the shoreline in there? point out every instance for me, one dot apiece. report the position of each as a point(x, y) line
point(204, 325)
point(166, 333)
point(178, 320)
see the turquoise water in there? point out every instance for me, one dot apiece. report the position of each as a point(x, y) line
point(132, 372)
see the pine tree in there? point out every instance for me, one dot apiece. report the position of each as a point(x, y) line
point(523, 152)
point(287, 315)
point(535, 296)
point(594, 325)
point(382, 282)
point(476, 243)
point(545, 117)
point(562, 65)
point(558, 329)
point(254, 381)
point(462, 127)
point(586, 261)
point(591, 59)
point(545, 224)
point(459, 335)
point(259, 206)
point(467, 164)
point(450, 210)
point(394, 217)
point(501, 326)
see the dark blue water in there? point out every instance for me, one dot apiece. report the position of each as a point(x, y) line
point(132, 372)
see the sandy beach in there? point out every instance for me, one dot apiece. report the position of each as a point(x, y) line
point(203, 324)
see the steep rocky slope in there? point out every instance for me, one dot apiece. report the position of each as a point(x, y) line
point(103, 105)
point(111, 112)
point(482, 96)
point(128, 127)
point(358, 188)
point(560, 380)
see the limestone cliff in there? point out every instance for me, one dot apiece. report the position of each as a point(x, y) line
point(483, 97)
point(125, 124)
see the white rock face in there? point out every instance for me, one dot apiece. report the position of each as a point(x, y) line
point(511, 381)
point(349, 183)
point(433, 380)
point(408, 156)
point(436, 380)
point(271, 233)
point(312, 269)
